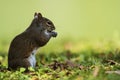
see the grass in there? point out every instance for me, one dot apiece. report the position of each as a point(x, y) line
point(84, 60)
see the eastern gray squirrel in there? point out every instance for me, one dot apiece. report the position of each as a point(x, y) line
point(24, 46)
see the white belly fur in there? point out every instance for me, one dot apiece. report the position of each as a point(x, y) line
point(32, 58)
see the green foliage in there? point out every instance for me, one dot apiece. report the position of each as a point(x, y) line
point(93, 61)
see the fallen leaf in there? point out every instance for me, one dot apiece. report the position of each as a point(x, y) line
point(96, 71)
point(111, 72)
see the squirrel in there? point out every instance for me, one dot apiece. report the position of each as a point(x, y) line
point(23, 47)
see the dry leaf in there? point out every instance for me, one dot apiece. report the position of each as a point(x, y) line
point(96, 71)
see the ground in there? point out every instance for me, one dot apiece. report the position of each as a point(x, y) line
point(83, 60)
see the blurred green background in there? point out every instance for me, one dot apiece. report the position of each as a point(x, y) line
point(75, 20)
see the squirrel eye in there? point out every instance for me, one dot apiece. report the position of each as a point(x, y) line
point(48, 23)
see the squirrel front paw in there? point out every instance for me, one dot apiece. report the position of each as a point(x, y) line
point(54, 34)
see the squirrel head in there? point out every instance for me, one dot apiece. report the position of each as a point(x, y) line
point(43, 25)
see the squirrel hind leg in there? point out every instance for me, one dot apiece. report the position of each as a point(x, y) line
point(17, 63)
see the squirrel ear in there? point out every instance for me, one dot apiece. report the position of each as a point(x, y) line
point(35, 15)
point(39, 15)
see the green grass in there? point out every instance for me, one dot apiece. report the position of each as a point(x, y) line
point(84, 60)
